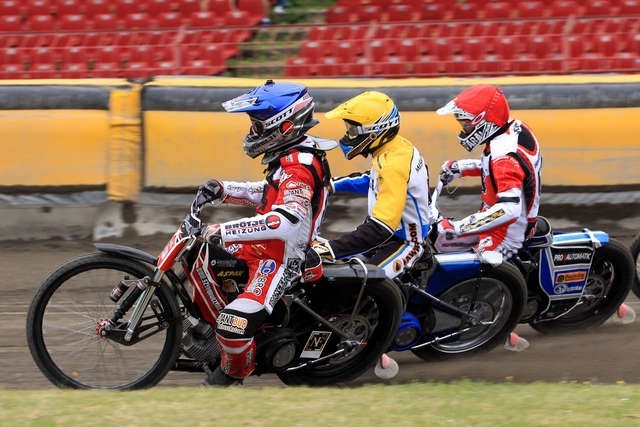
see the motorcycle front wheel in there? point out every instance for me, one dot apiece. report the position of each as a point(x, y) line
point(635, 253)
point(608, 284)
point(67, 318)
point(496, 299)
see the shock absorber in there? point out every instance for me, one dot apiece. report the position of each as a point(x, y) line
point(129, 300)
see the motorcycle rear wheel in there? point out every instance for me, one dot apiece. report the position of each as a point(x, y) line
point(70, 308)
point(375, 324)
point(635, 253)
point(609, 281)
point(501, 295)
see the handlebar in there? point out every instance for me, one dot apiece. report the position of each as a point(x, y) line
point(434, 212)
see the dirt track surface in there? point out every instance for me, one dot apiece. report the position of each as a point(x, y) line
point(604, 355)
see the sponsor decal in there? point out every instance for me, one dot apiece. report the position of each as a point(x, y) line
point(419, 165)
point(571, 277)
point(475, 224)
point(267, 266)
point(563, 289)
point(207, 287)
point(413, 235)
point(486, 242)
point(245, 227)
point(273, 221)
point(232, 323)
point(257, 284)
point(572, 257)
point(287, 127)
point(397, 265)
point(315, 344)
point(229, 273)
point(222, 263)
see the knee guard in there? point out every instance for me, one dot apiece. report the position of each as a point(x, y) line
point(234, 333)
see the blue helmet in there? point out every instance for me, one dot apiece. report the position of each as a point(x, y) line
point(280, 113)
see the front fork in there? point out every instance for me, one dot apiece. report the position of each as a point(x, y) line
point(141, 295)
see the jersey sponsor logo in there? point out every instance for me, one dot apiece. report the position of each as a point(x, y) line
point(273, 221)
point(267, 266)
point(245, 227)
point(413, 234)
point(257, 284)
point(232, 323)
point(475, 224)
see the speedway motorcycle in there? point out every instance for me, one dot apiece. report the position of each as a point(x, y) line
point(635, 254)
point(458, 303)
point(121, 318)
point(574, 280)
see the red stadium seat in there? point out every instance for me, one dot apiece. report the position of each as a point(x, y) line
point(473, 48)
point(204, 19)
point(465, 11)
point(38, 7)
point(394, 67)
point(253, 8)
point(13, 56)
point(399, 12)
point(408, 50)
point(96, 7)
point(105, 22)
point(71, 70)
point(297, 67)
point(41, 23)
point(169, 20)
point(340, 15)
point(75, 55)
point(139, 21)
point(320, 33)
point(425, 67)
point(606, 45)
point(497, 10)
point(11, 7)
point(313, 51)
point(630, 7)
point(575, 47)
point(539, 46)
point(187, 7)
point(12, 23)
point(564, 8)
point(532, 9)
point(69, 7)
point(157, 7)
point(221, 6)
point(598, 8)
point(328, 67)
point(240, 18)
point(378, 50)
point(432, 12)
point(75, 22)
point(346, 51)
point(126, 7)
point(441, 49)
point(506, 49)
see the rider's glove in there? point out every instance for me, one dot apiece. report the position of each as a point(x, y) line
point(323, 248)
point(449, 171)
point(449, 228)
point(212, 190)
point(211, 233)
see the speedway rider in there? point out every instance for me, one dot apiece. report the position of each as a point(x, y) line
point(392, 235)
point(509, 170)
point(289, 206)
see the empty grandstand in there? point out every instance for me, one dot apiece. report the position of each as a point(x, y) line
point(352, 38)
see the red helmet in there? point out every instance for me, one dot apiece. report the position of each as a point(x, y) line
point(481, 110)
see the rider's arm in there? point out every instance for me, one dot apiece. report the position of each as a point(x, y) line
point(508, 176)
point(291, 207)
point(357, 183)
point(243, 193)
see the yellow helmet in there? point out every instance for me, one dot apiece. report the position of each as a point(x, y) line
point(372, 120)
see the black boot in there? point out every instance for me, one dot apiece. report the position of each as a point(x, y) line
point(217, 377)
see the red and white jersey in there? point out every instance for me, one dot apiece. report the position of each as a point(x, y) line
point(289, 204)
point(510, 171)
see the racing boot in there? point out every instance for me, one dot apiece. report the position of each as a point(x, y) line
point(218, 378)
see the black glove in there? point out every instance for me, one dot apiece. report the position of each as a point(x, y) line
point(209, 192)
